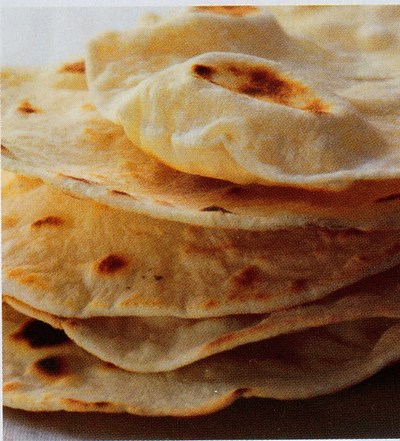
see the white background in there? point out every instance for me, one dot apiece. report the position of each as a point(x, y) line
point(47, 35)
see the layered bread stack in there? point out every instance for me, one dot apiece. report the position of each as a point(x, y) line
point(206, 207)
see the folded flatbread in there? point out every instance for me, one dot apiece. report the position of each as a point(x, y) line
point(236, 97)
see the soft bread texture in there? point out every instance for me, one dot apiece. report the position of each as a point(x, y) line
point(252, 277)
point(276, 111)
point(154, 344)
point(228, 115)
point(52, 373)
point(164, 41)
point(77, 258)
point(371, 30)
point(52, 131)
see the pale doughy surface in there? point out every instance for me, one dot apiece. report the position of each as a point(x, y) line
point(156, 344)
point(51, 373)
point(51, 130)
point(78, 258)
point(237, 97)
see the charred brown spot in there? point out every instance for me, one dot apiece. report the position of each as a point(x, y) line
point(157, 277)
point(53, 221)
point(390, 198)
point(39, 334)
point(215, 208)
point(80, 405)
point(27, 107)
point(261, 82)
point(203, 71)
point(260, 77)
point(228, 9)
point(112, 264)
point(119, 192)
point(73, 323)
point(266, 82)
point(77, 67)
point(74, 178)
point(251, 90)
point(235, 70)
point(52, 366)
point(5, 151)
point(246, 276)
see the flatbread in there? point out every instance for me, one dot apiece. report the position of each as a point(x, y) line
point(84, 256)
point(51, 130)
point(243, 101)
point(156, 344)
point(372, 30)
point(77, 258)
point(49, 372)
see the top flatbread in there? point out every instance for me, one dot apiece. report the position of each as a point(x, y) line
point(235, 97)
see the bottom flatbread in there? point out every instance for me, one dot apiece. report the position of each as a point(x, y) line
point(45, 371)
point(156, 344)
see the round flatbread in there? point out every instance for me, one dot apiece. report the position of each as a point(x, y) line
point(47, 372)
point(243, 101)
point(77, 258)
point(370, 30)
point(156, 344)
point(51, 130)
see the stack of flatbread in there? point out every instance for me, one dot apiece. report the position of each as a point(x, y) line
point(205, 208)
